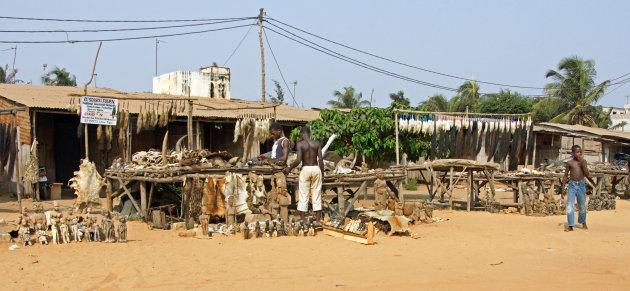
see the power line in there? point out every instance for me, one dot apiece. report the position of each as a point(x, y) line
point(118, 21)
point(127, 38)
point(407, 65)
point(119, 29)
point(278, 65)
point(356, 62)
point(237, 46)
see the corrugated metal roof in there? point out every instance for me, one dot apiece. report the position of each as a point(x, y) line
point(582, 130)
point(57, 97)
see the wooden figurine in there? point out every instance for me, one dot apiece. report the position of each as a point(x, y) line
point(382, 193)
point(76, 233)
point(284, 200)
point(54, 229)
point(65, 231)
point(25, 234)
point(96, 231)
point(108, 227)
point(257, 230)
point(204, 219)
point(38, 219)
point(41, 237)
point(245, 230)
point(122, 229)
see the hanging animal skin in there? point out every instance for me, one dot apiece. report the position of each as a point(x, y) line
point(237, 130)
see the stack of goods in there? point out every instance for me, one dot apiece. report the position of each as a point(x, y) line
point(602, 202)
point(154, 159)
point(53, 227)
point(355, 226)
point(452, 136)
point(277, 228)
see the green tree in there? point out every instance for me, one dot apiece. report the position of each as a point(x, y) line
point(368, 131)
point(437, 103)
point(505, 102)
point(468, 97)
point(279, 98)
point(7, 77)
point(574, 83)
point(59, 77)
point(347, 99)
point(399, 97)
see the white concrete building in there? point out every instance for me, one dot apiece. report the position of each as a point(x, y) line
point(212, 82)
point(619, 115)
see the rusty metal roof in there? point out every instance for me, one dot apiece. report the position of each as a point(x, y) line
point(57, 98)
point(580, 130)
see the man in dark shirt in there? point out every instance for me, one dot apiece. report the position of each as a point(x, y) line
point(577, 170)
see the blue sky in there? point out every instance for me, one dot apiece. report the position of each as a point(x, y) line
point(509, 42)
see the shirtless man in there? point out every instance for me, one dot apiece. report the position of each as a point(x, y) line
point(578, 171)
point(309, 153)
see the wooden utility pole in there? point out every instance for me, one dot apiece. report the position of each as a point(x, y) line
point(262, 51)
point(189, 125)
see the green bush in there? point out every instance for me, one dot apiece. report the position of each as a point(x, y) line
point(411, 185)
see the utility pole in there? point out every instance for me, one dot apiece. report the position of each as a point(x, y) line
point(157, 41)
point(14, 56)
point(294, 84)
point(262, 51)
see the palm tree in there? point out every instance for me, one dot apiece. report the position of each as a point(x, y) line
point(399, 97)
point(468, 96)
point(437, 103)
point(575, 85)
point(59, 77)
point(347, 99)
point(7, 77)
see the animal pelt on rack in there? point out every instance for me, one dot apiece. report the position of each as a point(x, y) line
point(213, 196)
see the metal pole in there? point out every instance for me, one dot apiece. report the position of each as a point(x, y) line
point(14, 56)
point(156, 55)
point(189, 123)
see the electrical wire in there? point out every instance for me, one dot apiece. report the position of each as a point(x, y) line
point(120, 21)
point(128, 38)
point(120, 29)
point(237, 46)
point(278, 65)
point(356, 62)
point(407, 65)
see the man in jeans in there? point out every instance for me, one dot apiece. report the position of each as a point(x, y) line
point(577, 170)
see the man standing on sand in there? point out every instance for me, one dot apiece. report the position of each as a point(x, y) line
point(578, 171)
point(309, 153)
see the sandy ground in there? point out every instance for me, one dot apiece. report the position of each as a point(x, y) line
point(471, 250)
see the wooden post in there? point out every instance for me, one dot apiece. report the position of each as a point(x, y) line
point(87, 148)
point(534, 152)
point(143, 196)
point(262, 52)
point(189, 123)
point(450, 188)
point(397, 150)
point(529, 132)
point(108, 192)
point(34, 125)
point(18, 179)
point(197, 136)
point(471, 192)
point(340, 201)
point(150, 197)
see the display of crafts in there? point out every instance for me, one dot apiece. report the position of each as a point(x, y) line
point(456, 136)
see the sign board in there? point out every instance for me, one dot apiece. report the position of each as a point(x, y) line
point(97, 110)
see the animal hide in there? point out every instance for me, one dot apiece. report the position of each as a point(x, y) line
point(453, 143)
point(235, 185)
point(213, 196)
point(87, 184)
